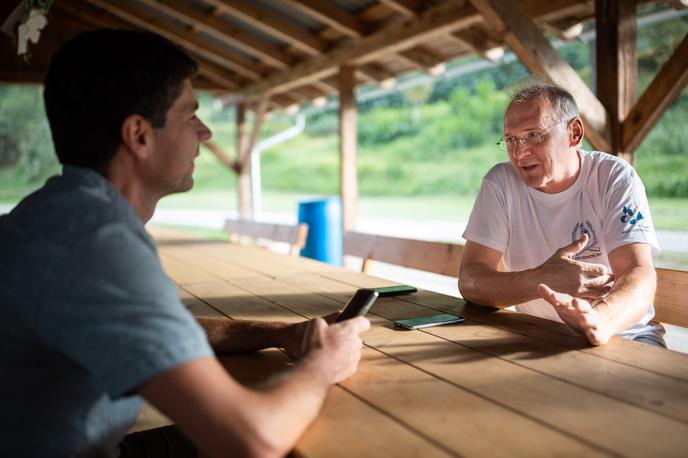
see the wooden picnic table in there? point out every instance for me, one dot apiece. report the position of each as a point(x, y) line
point(500, 384)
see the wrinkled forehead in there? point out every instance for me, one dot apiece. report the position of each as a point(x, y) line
point(533, 114)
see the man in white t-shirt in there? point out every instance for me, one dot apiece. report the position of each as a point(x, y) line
point(562, 233)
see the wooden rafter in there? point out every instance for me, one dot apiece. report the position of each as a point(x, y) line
point(222, 31)
point(539, 56)
point(662, 91)
point(188, 41)
point(89, 15)
point(299, 39)
point(329, 14)
point(407, 8)
point(395, 38)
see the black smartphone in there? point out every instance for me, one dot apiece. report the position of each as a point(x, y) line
point(396, 290)
point(359, 304)
point(427, 321)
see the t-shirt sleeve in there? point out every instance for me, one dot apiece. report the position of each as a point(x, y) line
point(116, 313)
point(628, 217)
point(488, 223)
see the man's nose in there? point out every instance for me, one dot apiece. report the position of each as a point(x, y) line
point(520, 150)
point(204, 132)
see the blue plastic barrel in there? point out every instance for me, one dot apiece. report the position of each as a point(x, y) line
point(324, 219)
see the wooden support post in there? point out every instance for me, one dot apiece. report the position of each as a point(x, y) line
point(244, 177)
point(616, 62)
point(347, 146)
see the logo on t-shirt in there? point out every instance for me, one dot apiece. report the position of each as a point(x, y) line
point(631, 219)
point(591, 250)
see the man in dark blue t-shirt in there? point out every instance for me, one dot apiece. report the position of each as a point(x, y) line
point(90, 321)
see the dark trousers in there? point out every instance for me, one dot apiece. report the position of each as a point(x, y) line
point(165, 442)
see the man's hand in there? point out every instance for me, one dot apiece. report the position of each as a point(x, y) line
point(578, 279)
point(578, 314)
point(296, 335)
point(333, 350)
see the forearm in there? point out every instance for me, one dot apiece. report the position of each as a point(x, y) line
point(629, 299)
point(481, 284)
point(290, 403)
point(233, 336)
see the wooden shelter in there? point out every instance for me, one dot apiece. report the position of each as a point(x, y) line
point(266, 54)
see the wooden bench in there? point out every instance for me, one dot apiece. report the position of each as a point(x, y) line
point(293, 235)
point(671, 298)
point(437, 257)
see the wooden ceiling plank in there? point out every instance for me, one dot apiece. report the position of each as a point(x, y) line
point(186, 40)
point(659, 95)
point(91, 16)
point(329, 14)
point(244, 12)
point(398, 37)
point(222, 31)
point(539, 56)
point(407, 8)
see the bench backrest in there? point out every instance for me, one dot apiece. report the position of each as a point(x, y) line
point(294, 235)
point(671, 298)
point(437, 257)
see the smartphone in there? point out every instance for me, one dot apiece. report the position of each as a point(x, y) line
point(385, 291)
point(359, 304)
point(427, 321)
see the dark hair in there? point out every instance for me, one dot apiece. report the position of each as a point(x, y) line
point(98, 79)
point(564, 106)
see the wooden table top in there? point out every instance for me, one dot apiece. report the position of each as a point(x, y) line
point(500, 384)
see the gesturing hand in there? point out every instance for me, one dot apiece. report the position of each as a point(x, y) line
point(578, 314)
point(580, 279)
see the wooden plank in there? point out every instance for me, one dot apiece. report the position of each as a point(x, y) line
point(461, 420)
point(221, 30)
point(348, 427)
point(539, 56)
point(396, 389)
point(440, 258)
point(329, 14)
point(184, 274)
point(397, 37)
point(671, 297)
point(266, 23)
point(469, 369)
point(348, 141)
point(659, 95)
point(146, 21)
point(616, 64)
point(200, 261)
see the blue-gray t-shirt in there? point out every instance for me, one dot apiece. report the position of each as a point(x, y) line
point(87, 316)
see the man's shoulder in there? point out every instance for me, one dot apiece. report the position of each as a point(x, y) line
point(502, 172)
point(607, 164)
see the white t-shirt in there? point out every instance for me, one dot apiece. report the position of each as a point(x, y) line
point(607, 202)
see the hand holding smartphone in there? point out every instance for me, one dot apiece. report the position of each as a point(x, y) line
point(359, 304)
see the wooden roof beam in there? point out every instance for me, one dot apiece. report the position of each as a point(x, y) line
point(659, 95)
point(222, 31)
point(329, 14)
point(539, 56)
point(407, 8)
point(88, 14)
point(392, 39)
point(186, 40)
point(298, 38)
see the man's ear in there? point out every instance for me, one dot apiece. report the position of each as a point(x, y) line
point(577, 132)
point(137, 135)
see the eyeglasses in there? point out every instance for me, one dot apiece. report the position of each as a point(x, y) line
point(530, 139)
